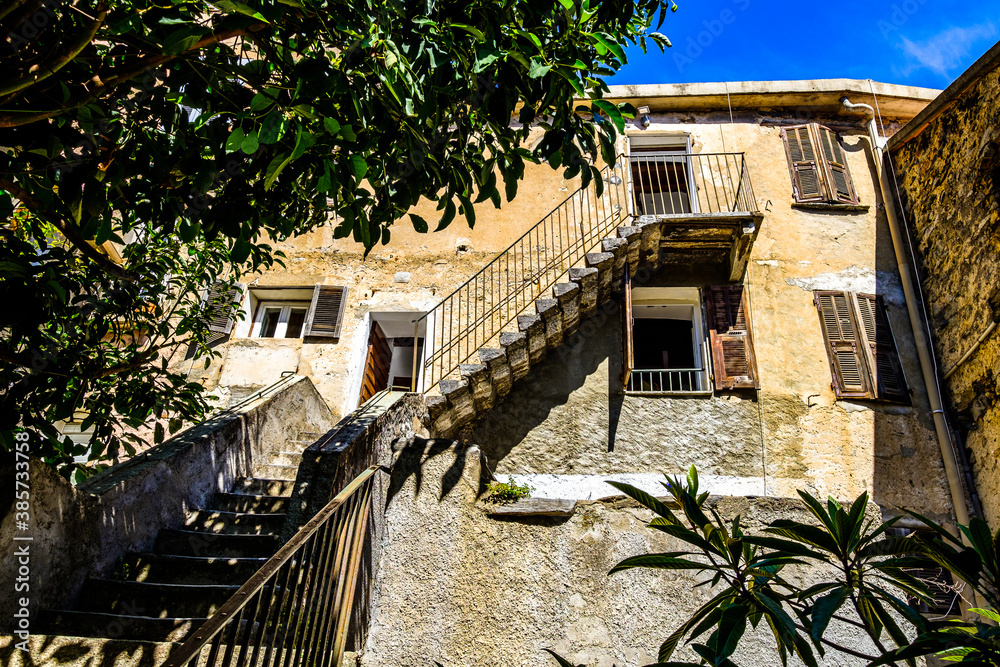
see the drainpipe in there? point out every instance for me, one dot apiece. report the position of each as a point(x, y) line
point(951, 466)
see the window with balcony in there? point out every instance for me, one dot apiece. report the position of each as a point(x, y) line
point(682, 340)
point(662, 175)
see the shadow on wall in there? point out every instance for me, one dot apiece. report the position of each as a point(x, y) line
point(561, 380)
point(415, 454)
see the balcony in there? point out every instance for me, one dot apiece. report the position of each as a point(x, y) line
point(704, 203)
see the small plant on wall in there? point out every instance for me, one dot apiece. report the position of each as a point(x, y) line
point(503, 493)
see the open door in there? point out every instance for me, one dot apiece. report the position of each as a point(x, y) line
point(376, 375)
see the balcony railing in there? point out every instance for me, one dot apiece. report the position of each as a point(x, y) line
point(295, 611)
point(471, 316)
point(685, 184)
point(662, 381)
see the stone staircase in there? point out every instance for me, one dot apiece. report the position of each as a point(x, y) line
point(167, 593)
point(457, 401)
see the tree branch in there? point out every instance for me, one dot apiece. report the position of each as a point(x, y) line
point(71, 235)
point(41, 72)
point(121, 75)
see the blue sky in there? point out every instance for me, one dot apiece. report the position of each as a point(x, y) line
point(914, 42)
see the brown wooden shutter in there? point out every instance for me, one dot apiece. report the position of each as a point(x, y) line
point(218, 297)
point(844, 345)
point(838, 175)
point(326, 312)
point(735, 366)
point(628, 351)
point(882, 355)
point(805, 169)
point(376, 375)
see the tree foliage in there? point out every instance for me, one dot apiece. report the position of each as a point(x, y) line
point(869, 577)
point(193, 131)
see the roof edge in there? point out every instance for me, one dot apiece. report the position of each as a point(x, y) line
point(988, 62)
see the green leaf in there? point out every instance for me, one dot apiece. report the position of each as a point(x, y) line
point(331, 126)
point(663, 561)
point(303, 142)
point(419, 223)
point(563, 662)
point(182, 39)
point(823, 610)
point(732, 625)
point(235, 140)
point(538, 69)
point(476, 32)
point(645, 500)
point(260, 102)
point(358, 166)
point(250, 143)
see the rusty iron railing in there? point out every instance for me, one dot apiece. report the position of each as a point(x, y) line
point(296, 610)
point(472, 315)
point(667, 183)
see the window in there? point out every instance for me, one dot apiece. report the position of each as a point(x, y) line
point(944, 596)
point(818, 165)
point(662, 175)
point(279, 319)
point(395, 351)
point(863, 357)
point(666, 351)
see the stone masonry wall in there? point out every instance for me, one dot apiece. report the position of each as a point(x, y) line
point(949, 181)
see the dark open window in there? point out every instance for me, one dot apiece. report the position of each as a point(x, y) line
point(662, 175)
point(818, 165)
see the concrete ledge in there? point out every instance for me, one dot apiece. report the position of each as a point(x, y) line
point(533, 507)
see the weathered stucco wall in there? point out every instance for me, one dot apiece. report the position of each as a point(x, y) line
point(458, 587)
point(566, 416)
point(81, 532)
point(571, 416)
point(949, 182)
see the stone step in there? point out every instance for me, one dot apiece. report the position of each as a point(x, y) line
point(93, 624)
point(140, 598)
point(242, 502)
point(259, 486)
point(271, 471)
point(175, 542)
point(286, 459)
point(235, 523)
point(163, 569)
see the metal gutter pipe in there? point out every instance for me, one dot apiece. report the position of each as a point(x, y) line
point(951, 467)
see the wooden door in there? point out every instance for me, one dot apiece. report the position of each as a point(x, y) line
point(376, 377)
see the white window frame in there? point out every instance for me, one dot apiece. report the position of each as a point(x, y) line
point(675, 296)
point(285, 310)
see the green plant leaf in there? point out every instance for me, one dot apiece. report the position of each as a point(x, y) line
point(823, 610)
point(663, 561)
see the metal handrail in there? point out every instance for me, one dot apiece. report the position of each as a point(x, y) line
point(479, 309)
point(667, 381)
point(295, 610)
point(679, 184)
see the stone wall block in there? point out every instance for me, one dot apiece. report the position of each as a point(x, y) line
point(442, 415)
point(499, 370)
point(618, 248)
point(604, 262)
point(552, 316)
point(587, 280)
point(651, 234)
point(479, 379)
point(568, 296)
point(459, 395)
point(534, 327)
point(633, 235)
point(516, 346)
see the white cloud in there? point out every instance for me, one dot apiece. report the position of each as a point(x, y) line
point(947, 50)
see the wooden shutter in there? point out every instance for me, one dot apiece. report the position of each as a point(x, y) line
point(628, 351)
point(844, 345)
point(326, 312)
point(805, 169)
point(218, 298)
point(376, 375)
point(882, 355)
point(730, 337)
point(838, 175)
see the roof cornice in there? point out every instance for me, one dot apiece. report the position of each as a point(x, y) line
point(817, 95)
